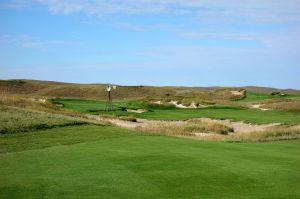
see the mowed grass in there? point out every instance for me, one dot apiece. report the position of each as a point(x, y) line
point(238, 114)
point(216, 112)
point(107, 162)
point(85, 106)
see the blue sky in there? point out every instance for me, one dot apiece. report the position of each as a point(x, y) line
point(152, 42)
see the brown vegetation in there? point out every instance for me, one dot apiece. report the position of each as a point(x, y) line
point(185, 128)
point(289, 105)
point(201, 95)
point(38, 104)
point(15, 120)
point(276, 133)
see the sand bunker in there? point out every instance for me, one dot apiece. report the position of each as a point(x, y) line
point(136, 110)
point(157, 102)
point(259, 106)
point(238, 93)
point(239, 127)
point(193, 105)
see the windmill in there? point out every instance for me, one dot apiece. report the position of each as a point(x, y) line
point(109, 105)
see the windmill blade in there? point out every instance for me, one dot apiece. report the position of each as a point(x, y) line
point(108, 88)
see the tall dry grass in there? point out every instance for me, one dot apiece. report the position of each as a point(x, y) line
point(195, 128)
point(283, 132)
point(292, 105)
point(14, 120)
point(40, 104)
point(186, 128)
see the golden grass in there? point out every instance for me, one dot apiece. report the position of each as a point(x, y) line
point(203, 130)
point(292, 105)
point(39, 104)
point(15, 120)
point(283, 132)
point(196, 126)
point(186, 128)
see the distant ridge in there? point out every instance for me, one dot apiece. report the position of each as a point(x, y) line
point(97, 91)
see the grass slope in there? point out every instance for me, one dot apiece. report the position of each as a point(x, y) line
point(14, 120)
point(107, 162)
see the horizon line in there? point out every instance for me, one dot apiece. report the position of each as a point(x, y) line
point(190, 86)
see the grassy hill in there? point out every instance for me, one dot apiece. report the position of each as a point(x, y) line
point(92, 91)
point(37, 88)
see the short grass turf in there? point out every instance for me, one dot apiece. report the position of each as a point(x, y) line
point(216, 112)
point(238, 114)
point(108, 162)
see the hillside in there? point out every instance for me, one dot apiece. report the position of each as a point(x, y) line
point(94, 91)
point(35, 88)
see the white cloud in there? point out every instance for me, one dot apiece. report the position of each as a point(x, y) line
point(221, 10)
point(212, 12)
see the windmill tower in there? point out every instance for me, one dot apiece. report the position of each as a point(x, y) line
point(109, 105)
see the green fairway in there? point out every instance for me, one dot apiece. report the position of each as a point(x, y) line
point(107, 162)
point(240, 114)
point(88, 106)
point(218, 112)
